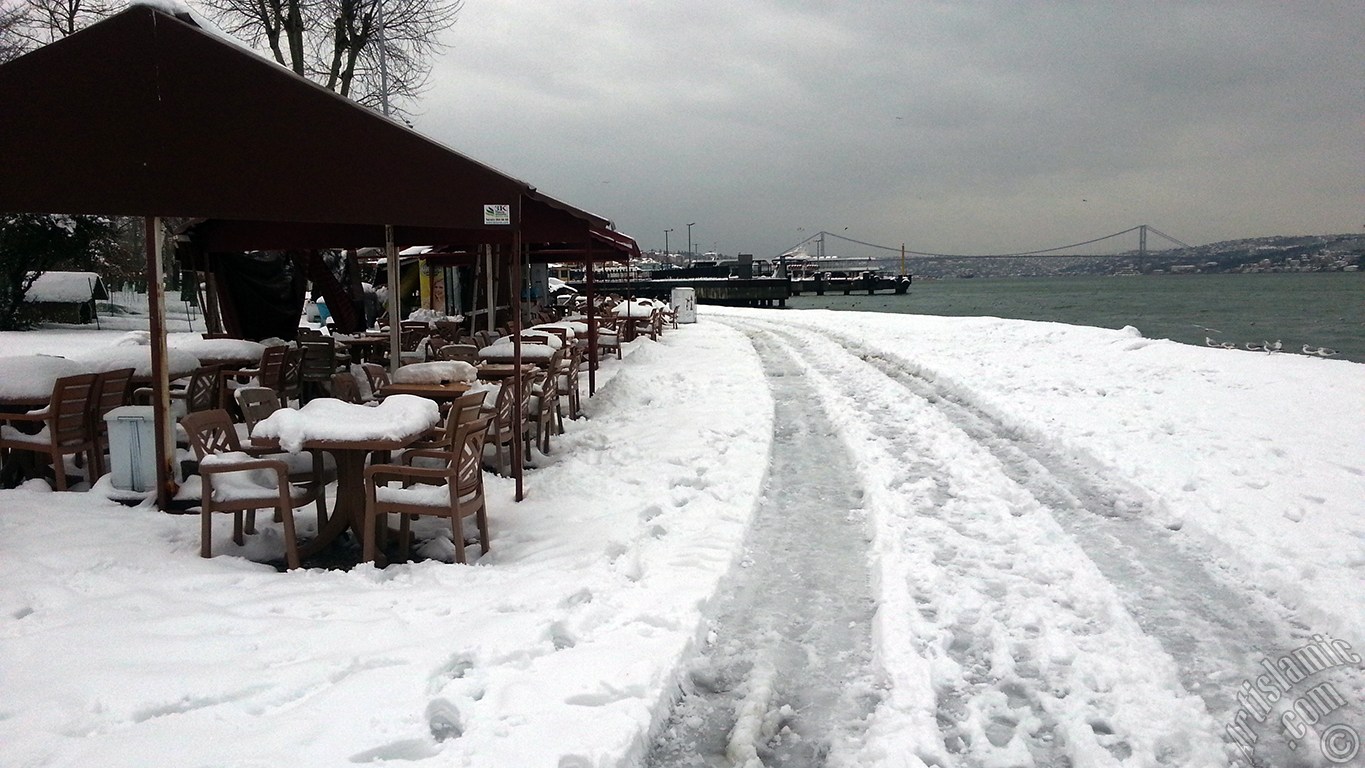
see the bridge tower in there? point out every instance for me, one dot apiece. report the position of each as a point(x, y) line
point(1142, 248)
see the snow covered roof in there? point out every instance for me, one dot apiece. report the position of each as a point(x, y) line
point(67, 288)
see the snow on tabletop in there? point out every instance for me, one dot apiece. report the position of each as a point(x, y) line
point(327, 418)
point(503, 351)
point(139, 358)
point(636, 308)
point(31, 376)
point(551, 340)
point(215, 350)
point(435, 372)
point(63, 287)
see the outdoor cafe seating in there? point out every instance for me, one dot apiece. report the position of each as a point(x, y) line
point(243, 470)
point(239, 482)
point(453, 489)
point(62, 428)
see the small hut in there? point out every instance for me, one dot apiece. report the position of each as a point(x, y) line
point(66, 297)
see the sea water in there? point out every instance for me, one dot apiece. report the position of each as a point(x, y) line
point(1324, 309)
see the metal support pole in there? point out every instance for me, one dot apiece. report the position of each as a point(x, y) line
point(391, 259)
point(161, 383)
point(518, 459)
point(488, 281)
point(591, 309)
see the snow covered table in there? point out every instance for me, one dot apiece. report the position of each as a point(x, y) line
point(238, 353)
point(179, 362)
point(503, 351)
point(350, 433)
point(28, 379)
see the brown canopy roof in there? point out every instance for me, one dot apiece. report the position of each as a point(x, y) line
point(147, 114)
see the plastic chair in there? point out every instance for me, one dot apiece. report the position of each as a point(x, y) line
point(201, 393)
point(468, 353)
point(345, 388)
point(256, 403)
point(566, 382)
point(454, 490)
point(317, 364)
point(65, 426)
point(503, 429)
point(269, 373)
point(237, 482)
point(291, 375)
point(378, 377)
point(608, 337)
point(543, 406)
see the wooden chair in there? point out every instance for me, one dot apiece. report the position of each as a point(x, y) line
point(454, 490)
point(236, 483)
point(112, 390)
point(64, 426)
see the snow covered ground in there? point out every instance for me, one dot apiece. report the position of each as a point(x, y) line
point(780, 538)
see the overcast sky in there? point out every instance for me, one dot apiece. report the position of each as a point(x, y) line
point(951, 127)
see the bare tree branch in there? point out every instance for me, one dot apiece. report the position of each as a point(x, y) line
point(336, 42)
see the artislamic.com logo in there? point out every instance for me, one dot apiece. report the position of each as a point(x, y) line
point(1288, 701)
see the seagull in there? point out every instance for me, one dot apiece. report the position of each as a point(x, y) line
point(1228, 345)
point(1256, 347)
point(1210, 342)
point(1273, 348)
point(1319, 352)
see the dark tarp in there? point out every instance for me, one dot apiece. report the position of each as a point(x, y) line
point(145, 114)
point(265, 291)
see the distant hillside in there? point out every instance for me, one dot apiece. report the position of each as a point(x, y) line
point(1307, 253)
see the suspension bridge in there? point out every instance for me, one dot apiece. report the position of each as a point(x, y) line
point(815, 246)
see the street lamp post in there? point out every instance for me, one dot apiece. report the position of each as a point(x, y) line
point(666, 231)
point(689, 240)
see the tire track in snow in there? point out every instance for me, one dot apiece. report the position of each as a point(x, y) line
point(1215, 632)
point(1031, 657)
point(785, 678)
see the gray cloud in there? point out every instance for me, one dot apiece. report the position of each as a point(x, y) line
point(957, 127)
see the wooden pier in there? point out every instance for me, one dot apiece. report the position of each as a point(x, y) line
point(734, 292)
point(869, 284)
